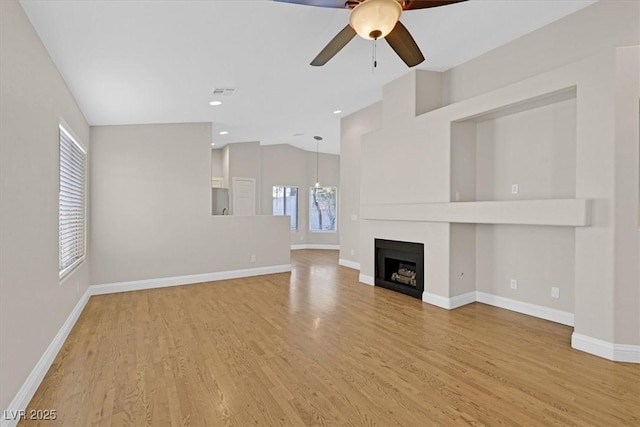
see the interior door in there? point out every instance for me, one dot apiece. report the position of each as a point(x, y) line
point(244, 196)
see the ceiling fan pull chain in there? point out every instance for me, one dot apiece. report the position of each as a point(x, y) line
point(374, 58)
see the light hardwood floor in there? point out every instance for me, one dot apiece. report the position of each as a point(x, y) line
point(315, 347)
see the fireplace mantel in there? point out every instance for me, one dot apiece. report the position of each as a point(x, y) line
point(557, 212)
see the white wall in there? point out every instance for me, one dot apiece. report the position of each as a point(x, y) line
point(33, 97)
point(151, 187)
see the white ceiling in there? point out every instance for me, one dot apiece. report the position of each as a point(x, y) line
point(137, 62)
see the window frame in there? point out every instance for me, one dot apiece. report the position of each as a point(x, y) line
point(312, 188)
point(297, 217)
point(71, 136)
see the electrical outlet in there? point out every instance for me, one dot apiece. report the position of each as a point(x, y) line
point(514, 284)
point(253, 258)
point(354, 217)
point(515, 188)
point(352, 252)
point(555, 292)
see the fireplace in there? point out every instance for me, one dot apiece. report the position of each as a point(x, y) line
point(400, 266)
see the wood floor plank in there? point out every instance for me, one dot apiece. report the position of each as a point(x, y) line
point(317, 348)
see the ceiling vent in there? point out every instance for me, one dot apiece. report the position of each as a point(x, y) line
point(226, 91)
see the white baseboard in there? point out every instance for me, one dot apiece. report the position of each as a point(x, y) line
point(31, 384)
point(597, 347)
point(136, 285)
point(350, 264)
point(605, 349)
point(449, 303)
point(542, 312)
point(367, 280)
point(315, 246)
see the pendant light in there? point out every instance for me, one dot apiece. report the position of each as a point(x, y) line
point(318, 139)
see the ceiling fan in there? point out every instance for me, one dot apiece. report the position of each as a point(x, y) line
point(373, 20)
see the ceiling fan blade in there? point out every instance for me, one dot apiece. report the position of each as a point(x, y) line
point(334, 46)
point(339, 4)
point(405, 46)
point(423, 4)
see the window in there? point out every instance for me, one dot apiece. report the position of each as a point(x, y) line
point(71, 202)
point(285, 202)
point(322, 209)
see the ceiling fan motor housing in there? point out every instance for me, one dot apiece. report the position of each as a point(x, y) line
point(374, 19)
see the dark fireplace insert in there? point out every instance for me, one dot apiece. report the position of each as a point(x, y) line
point(400, 266)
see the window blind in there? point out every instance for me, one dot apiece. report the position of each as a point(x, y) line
point(72, 201)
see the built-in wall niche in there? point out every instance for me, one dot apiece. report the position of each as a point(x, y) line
point(522, 151)
point(512, 160)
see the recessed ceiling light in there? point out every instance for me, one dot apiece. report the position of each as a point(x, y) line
point(224, 132)
point(214, 103)
point(337, 112)
point(213, 143)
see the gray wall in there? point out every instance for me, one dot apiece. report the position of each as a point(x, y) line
point(627, 203)
point(537, 257)
point(225, 166)
point(287, 165)
point(585, 50)
point(590, 30)
point(284, 164)
point(151, 208)
point(535, 149)
point(33, 97)
point(352, 128)
point(329, 165)
point(594, 29)
point(217, 169)
point(244, 162)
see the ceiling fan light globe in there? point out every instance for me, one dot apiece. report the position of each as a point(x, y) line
point(374, 19)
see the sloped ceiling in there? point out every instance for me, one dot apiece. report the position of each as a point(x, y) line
point(132, 62)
